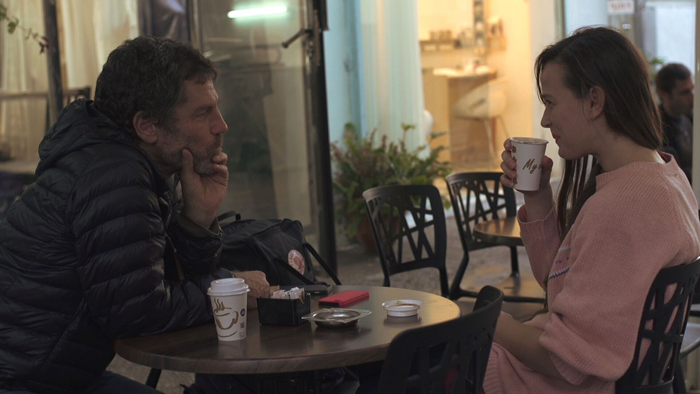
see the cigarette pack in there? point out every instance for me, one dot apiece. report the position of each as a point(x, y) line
point(344, 298)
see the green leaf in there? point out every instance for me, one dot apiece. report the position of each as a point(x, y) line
point(11, 26)
point(360, 164)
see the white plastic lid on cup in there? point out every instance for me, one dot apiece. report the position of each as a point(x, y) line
point(228, 286)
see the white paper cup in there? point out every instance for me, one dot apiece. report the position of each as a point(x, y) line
point(229, 299)
point(528, 153)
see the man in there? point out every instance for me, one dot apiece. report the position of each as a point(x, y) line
point(103, 246)
point(674, 85)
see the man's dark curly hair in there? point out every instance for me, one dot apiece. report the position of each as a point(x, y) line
point(668, 75)
point(148, 74)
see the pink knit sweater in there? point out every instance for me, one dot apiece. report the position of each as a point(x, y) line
point(643, 217)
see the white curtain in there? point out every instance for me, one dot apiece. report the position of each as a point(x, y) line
point(22, 70)
point(90, 31)
point(391, 81)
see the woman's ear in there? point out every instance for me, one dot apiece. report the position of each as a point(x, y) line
point(595, 102)
point(145, 128)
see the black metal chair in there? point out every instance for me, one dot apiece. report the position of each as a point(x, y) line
point(387, 207)
point(691, 341)
point(421, 359)
point(468, 190)
point(653, 372)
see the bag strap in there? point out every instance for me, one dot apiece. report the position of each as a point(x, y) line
point(227, 215)
point(322, 263)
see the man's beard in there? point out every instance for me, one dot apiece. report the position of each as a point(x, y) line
point(202, 163)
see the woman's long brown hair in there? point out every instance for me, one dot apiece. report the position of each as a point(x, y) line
point(602, 57)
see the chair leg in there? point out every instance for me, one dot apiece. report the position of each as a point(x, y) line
point(503, 123)
point(514, 269)
point(153, 377)
point(444, 290)
point(489, 136)
point(455, 289)
point(679, 379)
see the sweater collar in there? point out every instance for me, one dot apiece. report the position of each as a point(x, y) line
point(669, 167)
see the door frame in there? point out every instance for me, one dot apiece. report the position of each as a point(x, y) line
point(318, 133)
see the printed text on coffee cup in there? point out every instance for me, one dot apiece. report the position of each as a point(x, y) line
point(531, 166)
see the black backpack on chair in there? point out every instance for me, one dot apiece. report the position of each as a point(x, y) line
point(276, 247)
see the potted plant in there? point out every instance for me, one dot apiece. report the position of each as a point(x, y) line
point(362, 164)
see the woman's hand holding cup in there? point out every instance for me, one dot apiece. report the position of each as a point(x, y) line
point(538, 199)
point(510, 168)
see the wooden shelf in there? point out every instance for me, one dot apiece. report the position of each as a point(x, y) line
point(441, 45)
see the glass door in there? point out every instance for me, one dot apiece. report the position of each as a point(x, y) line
point(274, 107)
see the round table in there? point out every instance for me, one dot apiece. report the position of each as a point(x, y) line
point(504, 231)
point(275, 349)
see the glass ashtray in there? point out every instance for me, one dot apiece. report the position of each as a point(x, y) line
point(336, 317)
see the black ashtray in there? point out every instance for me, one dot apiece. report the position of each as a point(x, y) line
point(283, 312)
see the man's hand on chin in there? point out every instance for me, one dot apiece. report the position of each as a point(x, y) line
point(202, 193)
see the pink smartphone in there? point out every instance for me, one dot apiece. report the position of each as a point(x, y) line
point(345, 297)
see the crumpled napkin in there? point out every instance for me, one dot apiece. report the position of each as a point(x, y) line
point(292, 294)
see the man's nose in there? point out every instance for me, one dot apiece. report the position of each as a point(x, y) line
point(220, 126)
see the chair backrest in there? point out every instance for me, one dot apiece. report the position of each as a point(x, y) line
point(421, 359)
point(403, 244)
point(661, 329)
point(485, 101)
point(477, 197)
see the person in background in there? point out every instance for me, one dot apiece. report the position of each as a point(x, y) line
point(118, 237)
point(675, 87)
point(625, 211)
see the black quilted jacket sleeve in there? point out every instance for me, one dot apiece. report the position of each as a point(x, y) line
point(197, 255)
point(120, 242)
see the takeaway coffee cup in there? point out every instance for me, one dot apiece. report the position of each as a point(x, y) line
point(527, 153)
point(229, 299)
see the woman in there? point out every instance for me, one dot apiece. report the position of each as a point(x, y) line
point(613, 227)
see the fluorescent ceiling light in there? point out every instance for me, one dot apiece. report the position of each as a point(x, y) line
point(280, 9)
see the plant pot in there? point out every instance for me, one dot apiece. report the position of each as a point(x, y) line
point(365, 236)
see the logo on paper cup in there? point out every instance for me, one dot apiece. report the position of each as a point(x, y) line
point(224, 320)
point(296, 260)
point(532, 166)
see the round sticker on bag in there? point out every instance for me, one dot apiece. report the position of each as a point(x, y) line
point(296, 260)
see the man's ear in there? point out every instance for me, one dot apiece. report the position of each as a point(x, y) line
point(145, 128)
point(665, 97)
point(595, 102)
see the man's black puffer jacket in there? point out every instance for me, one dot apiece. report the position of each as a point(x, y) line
point(83, 256)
